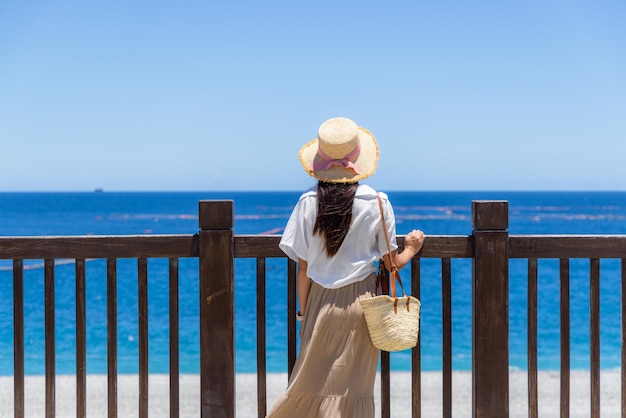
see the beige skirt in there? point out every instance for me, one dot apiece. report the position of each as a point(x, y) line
point(335, 370)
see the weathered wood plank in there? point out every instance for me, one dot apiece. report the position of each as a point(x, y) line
point(50, 338)
point(18, 338)
point(217, 312)
point(174, 337)
point(99, 246)
point(594, 333)
point(564, 274)
point(416, 359)
point(156, 246)
point(251, 246)
point(292, 273)
point(567, 246)
point(446, 324)
point(623, 338)
point(261, 338)
point(216, 214)
point(112, 337)
point(81, 340)
point(385, 384)
point(142, 314)
point(533, 398)
point(435, 246)
point(490, 327)
point(490, 215)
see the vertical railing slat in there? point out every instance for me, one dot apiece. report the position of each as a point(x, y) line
point(50, 337)
point(623, 342)
point(446, 323)
point(416, 359)
point(112, 337)
point(385, 375)
point(594, 335)
point(533, 402)
point(142, 308)
point(385, 385)
point(261, 338)
point(18, 338)
point(292, 273)
point(565, 336)
point(81, 341)
point(174, 337)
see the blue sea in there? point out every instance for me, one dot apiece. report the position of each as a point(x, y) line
point(436, 213)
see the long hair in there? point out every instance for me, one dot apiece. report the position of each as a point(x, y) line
point(334, 213)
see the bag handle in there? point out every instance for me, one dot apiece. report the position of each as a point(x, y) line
point(395, 274)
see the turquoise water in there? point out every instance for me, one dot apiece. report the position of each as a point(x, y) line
point(437, 213)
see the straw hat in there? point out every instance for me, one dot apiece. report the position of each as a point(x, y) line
point(341, 153)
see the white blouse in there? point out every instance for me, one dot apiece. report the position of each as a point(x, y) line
point(364, 243)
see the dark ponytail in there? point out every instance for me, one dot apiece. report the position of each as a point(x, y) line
point(334, 213)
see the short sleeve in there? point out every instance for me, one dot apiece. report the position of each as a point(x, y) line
point(390, 221)
point(295, 240)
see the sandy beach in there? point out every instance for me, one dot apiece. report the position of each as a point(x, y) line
point(246, 395)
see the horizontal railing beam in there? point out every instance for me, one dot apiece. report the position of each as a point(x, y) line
point(435, 246)
point(165, 246)
point(99, 246)
point(567, 246)
point(252, 246)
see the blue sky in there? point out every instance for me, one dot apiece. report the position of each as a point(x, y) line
point(201, 95)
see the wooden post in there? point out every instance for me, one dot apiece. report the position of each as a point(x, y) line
point(217, 315)
point(490, 316)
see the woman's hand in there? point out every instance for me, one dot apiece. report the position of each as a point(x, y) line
point(412, 245)
point(414, 241)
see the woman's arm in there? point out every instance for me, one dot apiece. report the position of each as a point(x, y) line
point(412, 244)
point(304, 285)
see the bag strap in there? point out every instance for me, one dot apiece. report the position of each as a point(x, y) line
point(395, 274)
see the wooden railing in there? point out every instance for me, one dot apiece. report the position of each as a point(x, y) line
point(216, 247)
point(82, 248)
point(564, 248)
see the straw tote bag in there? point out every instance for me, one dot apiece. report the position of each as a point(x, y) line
point(393, 322)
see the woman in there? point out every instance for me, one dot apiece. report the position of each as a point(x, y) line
point(335, 233)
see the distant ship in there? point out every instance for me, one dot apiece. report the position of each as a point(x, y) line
point(98, 190)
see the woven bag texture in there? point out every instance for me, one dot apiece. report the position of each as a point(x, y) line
point(392, 329)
